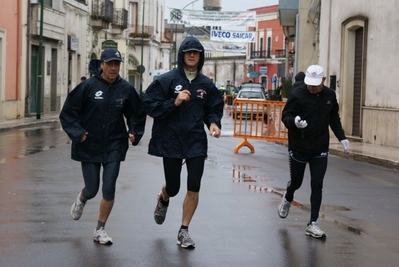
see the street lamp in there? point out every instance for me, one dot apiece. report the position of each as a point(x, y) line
point(192, 2)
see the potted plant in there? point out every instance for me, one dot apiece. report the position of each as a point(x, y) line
point(286, 87)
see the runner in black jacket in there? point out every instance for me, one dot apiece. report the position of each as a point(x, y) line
point(308, 113)
point(93, 116)
point(181, 101)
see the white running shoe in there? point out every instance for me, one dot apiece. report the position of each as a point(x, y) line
point(314, 230)
point(100, 236)
point(77, 209)
point(284, 208)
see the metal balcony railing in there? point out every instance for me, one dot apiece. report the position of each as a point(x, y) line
point(120, 18)
point(273, 53)
point(103, 10)
point(135, 30)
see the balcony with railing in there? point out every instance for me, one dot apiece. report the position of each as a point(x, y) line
point(270, 53)
point(136, 31)
point(119, 21)
point(53, 22)
point(102, 13)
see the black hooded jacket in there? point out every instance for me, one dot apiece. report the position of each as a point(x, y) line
point(178, 131)
point(100, 108)
point(320, 111)
point(299, 79)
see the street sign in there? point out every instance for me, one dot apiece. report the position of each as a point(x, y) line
point(109, 44)
point(253, 74)
point(263, 70)
point(274, 79)
point(141, 69)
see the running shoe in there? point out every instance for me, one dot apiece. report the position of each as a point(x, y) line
point(160, 210)
point(77, 209)
point(314, 230)
point(284, 208)
point(100, 236)
point(184, 240)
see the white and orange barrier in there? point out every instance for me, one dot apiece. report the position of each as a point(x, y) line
point(258, 119)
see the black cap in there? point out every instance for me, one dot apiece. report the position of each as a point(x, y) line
point(192, 49)
point(110, 54)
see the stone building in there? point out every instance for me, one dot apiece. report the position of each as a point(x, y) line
point(355, 42)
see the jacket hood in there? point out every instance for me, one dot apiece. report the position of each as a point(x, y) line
point(193, 43)
point(300, 76)
point(94, 67)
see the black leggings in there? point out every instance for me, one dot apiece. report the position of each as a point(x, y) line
point(91, 176)
point(317, 167)
point(172, 169)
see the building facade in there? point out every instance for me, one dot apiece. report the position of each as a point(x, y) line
point(354, 41)
point(12, 59)
point(41, 61)
point(267, 57)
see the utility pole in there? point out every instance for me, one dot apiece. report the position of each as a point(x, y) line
point(142, 52)
point(192, 2)
point(40, 70)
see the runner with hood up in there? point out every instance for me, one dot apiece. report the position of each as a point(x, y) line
point(181, 101)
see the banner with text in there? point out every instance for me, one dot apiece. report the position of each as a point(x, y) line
point(201, 18)
point(224, 48)
point(233, 36)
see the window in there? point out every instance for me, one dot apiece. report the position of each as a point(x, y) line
point(48, 3)
point(133, 13)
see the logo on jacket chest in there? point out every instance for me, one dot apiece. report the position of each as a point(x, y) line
point(200, 92)
point(178, 88)
point(98, 95)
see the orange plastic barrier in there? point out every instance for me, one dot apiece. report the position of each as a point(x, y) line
point(258, 119)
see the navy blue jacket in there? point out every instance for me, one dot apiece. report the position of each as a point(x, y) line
point(100, 108)
point(320, 111)
point(178, 131)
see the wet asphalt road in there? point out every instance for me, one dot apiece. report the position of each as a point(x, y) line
point(236, 223)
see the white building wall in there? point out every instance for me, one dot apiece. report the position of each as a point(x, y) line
point(380, 107)
point(76, 24)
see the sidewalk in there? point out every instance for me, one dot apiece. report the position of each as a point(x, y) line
point(373, 154)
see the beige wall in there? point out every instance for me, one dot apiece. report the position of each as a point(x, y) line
point(380, 92)
point(307, 45)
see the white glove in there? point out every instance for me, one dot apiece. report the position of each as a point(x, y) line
point(300, 123)
point(345, 145)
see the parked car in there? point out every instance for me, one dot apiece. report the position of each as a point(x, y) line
point(253, 85)
point(246, 110)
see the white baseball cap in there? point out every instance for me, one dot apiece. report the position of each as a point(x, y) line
point(314, 75)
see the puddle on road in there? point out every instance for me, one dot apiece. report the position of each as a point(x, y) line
point(22, 142)
point(239, 176)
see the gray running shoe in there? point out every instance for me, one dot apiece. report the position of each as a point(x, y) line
point(160, 210)
point(100, 236)
point(77, 209)
point(184, 240)
point(284, 208)
point(314, 230)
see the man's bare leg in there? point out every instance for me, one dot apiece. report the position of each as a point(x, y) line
point(105, 210)
point(189, 206)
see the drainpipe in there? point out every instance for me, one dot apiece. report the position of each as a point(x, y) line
point(234, 72)
point(40, 71)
